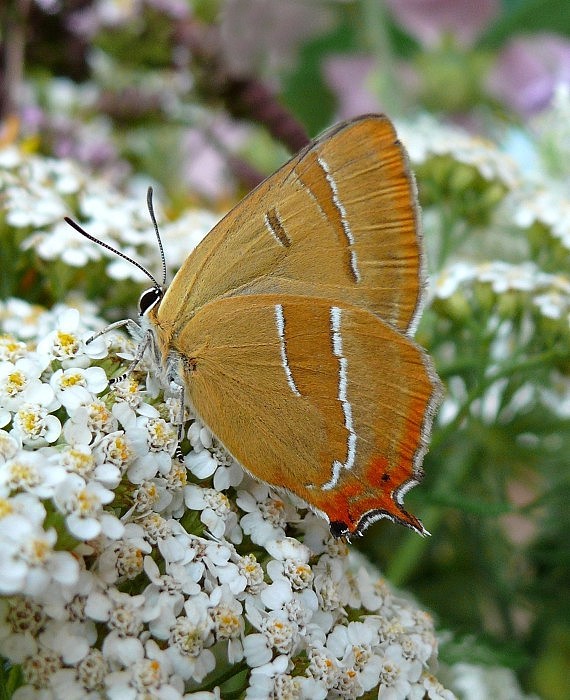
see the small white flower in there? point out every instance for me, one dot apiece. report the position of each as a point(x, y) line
point(125, 616)
point(209, 457)
point(323, 666)
point(267, 514)
point(66, 602)
point(430, 687)
point(348, 686)
point(227, 615)
point(21, 620)
point(115, 450)
point(214, 507)
point(67, 343)
point(160, 438)
point(129, 391)
point(395, 680)
point(35, 426)
point(353, 645)
point(32, 472)
point(11, 350)
point(152, 495)
point(270, 680)
point(276, 631)
point(198, 556)
point(188, 641)
point(124, 559)
point(330, 583)
point(28, 560)
point(76, 386)
point(151, 676)
point(251, 571)
point(371, 593)
point(85, 680)
point(156, 528)
point(82, 461)
point(87, 421)
point(20, 383)
point(161, 435)
point(8, 446)
point(82, 504)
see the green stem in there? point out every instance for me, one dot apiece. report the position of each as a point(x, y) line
point(224, 677)
point(377, 40)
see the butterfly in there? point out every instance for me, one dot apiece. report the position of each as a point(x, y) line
point(288, 330)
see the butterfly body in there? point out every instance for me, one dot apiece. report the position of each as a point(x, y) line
point(288, 329)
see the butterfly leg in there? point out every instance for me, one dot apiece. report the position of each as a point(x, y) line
point(178, 391)
point(133, 328)
point(141, 349)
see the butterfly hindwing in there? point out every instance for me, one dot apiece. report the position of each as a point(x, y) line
point(324, 400)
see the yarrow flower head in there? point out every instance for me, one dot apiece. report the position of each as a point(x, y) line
point(92, 498)
point(37, 194)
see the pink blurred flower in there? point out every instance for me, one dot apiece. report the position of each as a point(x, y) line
point(264, 35)
point(205, 157)
point(528, 71)
point(348, 77)
point(430, 20)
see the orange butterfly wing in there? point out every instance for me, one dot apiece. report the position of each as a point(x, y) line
point(337, 221)
point(325, 401)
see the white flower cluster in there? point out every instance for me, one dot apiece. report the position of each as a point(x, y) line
point(523, 286)
point(530, 219)
point(426, 137)
point(533, 213)
point(543, 159)
point(548, 293)
point(123, 576)
point(38, 192)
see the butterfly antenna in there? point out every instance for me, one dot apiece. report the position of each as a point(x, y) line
point(83, 232)
point(158, 238)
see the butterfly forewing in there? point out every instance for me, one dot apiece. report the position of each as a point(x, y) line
point(337, 221)
point(324, 400)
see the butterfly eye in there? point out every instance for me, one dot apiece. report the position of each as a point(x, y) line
point(148, 299)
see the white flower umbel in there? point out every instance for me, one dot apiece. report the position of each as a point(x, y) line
point(125, 573)
point(38, 192)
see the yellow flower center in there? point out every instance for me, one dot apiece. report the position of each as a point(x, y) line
point(85, 502)
point(6, 508)
point(23, 475)
point(29, 421)
point(67, 343)
point(81, 462)
point(16, 381)
point(39, 550)
point(72, 379)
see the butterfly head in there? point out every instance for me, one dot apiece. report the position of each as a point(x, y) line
point(150, 299)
